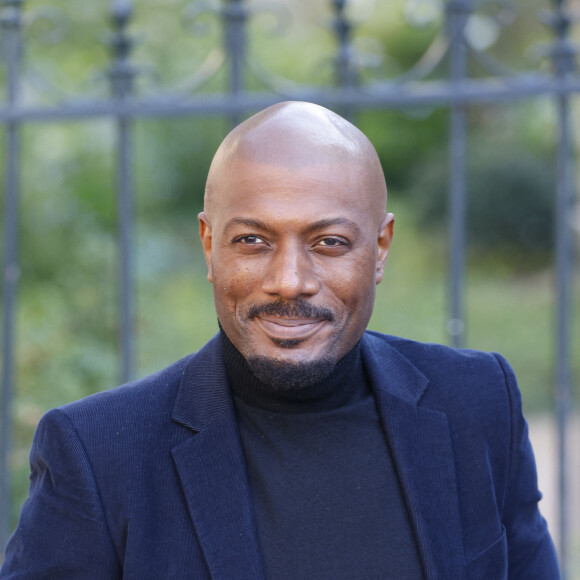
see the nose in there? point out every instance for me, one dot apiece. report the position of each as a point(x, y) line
point(291, 273)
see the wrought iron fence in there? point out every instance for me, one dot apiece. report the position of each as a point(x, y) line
point(441, 78)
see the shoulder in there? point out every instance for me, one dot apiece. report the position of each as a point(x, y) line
point(469, 385)
point(447, 365)
point(125, 426)
point(136, 414)
point(427, 354)
point(143, 410)
point(142, 398)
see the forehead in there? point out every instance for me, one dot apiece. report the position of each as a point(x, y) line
point(313, 190)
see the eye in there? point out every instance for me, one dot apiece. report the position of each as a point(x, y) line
point(332, 242)
point(331, 246)
point(249, 240)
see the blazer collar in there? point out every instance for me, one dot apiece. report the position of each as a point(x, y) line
point(203, 394)
point(390, 371)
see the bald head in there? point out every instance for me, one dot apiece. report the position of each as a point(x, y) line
point(294, 135)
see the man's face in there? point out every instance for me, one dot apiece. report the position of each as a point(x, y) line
point(294, 254)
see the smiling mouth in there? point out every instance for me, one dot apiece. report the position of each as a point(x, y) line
point(289, 331)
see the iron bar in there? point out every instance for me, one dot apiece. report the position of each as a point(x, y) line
point(234, 17)
point(564, 267)
point(126, 267)
point(10, 25)
point(563, 57)
point(345, 70)
point(390, 96)
point(122, 75)
point(457, 12)
point(9, 295)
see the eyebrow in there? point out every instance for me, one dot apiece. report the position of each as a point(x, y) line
point(251, 223)
point(319, 225)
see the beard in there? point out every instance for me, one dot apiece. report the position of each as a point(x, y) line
point(283, 376)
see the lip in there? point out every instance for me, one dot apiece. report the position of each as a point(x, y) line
point(282, 328)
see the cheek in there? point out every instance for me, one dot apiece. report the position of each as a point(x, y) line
point(234, 280)
point(354, 281)
point(355, 289)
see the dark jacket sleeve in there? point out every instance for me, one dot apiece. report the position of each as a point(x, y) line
point(531, 553)
point(62, 531)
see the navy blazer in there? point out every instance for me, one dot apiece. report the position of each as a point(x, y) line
point(147, 481)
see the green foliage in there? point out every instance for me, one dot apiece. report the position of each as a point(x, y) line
point(510, 211)
point(173, 158)
point(403, 139)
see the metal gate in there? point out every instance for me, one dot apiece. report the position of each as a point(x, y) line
point(455, 90)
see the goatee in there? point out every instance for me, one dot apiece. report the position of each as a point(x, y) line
point(286, 376)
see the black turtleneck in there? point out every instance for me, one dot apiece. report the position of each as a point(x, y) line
point(326, 499)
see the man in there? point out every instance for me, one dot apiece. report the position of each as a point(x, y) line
point(294, 444)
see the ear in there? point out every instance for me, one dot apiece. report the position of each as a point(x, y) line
point(384, 243)
point(206, 239)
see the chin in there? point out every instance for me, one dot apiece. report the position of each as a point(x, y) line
point(290, 375)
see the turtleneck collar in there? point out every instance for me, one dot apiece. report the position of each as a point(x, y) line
point(345, 385)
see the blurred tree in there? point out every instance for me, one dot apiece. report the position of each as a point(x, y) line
point(510, 206)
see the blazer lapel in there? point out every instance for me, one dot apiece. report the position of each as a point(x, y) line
point(420, 442)
point(211, 468)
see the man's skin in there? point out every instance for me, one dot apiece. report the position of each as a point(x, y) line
point(295, 213)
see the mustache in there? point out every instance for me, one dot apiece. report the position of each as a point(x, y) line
point(295, 309)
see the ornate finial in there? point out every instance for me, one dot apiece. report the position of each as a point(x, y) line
point(121, 11)
point(11, 37)
point(345, 71)
point(234, 15)
point(234, 10)
point(459, 6)
point(342, 26)
point(562, 51)
point(121, 71)
point(15, 4)
point(11, 13)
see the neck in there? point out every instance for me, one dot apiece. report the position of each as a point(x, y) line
point(344, 385)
